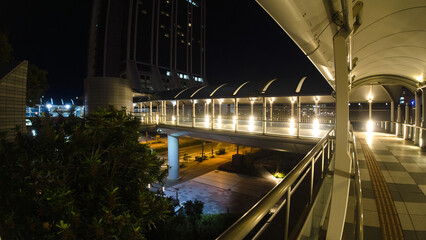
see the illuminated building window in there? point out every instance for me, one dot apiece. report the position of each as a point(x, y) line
point(189, 24)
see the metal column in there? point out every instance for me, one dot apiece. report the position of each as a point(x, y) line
point(342, 164)
point(299, 115)
point(236, 114)
point(212, 101)
point(264, 116)
point(392, 117)
point(399, 121)
point(422, 142)
point(406, 120)
point(417, 119)
point(193, 113)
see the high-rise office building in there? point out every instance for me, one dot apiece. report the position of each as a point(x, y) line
point(154, 44)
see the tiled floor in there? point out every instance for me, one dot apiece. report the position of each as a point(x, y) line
point(223, 191)
point(403, 166)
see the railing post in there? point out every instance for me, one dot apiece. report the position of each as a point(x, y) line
point(422, 142)
point(312, 179)
point(299, 116)
point(287, 214)
point(322, 160)
point(236, 114)
point(264, 117)
point(177, 112)
point(270, 111)
point(212, 113)
point(150, 112)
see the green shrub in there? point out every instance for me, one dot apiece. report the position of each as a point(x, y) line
point(80, 179)
point(221, 151)
point(200, 158)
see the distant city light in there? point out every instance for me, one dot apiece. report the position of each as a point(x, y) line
point(413, 103)
point(292, 126)
point(34, 132)
point(67, 106)
point(251, 124)
point(49, 106)
point(370, 126)
point(206, 120)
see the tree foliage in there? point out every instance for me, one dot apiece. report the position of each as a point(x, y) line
point(5, 49)
point(80, 179)
point(36, 84)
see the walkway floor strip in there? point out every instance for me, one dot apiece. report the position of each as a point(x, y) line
point(388, 217)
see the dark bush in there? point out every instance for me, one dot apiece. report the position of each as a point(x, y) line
point(80, 179)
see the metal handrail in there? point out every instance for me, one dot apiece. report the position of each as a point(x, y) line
point(250, 219)
point(359, 225)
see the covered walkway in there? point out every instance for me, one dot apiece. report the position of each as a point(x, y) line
point(396, 208)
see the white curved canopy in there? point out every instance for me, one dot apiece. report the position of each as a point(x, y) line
point(391, 41)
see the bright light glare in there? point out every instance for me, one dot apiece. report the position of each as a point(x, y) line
point(251, 123)
point(34, 132)
point(370, 126)
point(316, 127)
point(156, 118)
point(49, 106)
point(219, 122)
point(291, 126)
point(206, 120)
point(173, 119)
point(235, 121)
point(421, 142)
point(419, 78)
point(67, 106)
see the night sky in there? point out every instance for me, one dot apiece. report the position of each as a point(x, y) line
point(243, 43)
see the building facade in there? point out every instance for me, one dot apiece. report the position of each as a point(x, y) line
point(155, 44)
point(13, 89)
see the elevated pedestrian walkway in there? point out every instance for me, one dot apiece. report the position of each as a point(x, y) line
point(393, 174)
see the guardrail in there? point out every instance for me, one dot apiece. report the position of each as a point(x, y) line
point(359, 215)
point(277, 203)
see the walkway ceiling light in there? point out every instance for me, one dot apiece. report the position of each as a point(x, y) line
point(293, 99)
point(271, 99)
point(316, 99)
point(208, 101)
point(420, 78)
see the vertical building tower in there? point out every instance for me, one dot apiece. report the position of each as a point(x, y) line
point(154, 44)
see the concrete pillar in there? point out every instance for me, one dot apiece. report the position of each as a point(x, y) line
point(422, 142)
point(264, 116)
point(399, 121)
point(183, 111)
point(236, 114)
point(406, 120)
point(343, 163)
point(292, 107)
point(417, 119)
point(177, 112)
point(392, 117)
point(193, 112)
point(173, 154)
